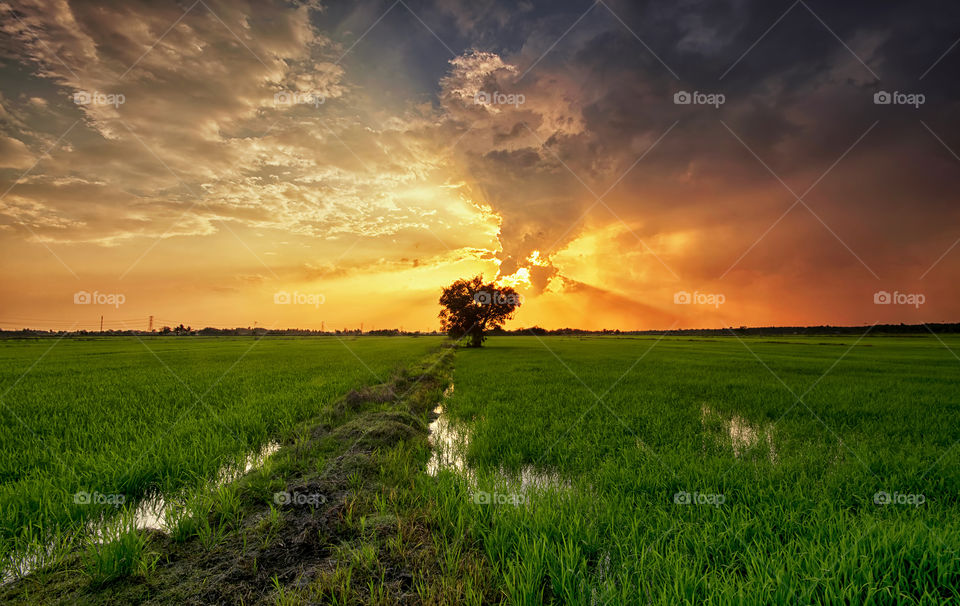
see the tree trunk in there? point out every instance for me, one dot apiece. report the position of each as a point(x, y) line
point(476, 337)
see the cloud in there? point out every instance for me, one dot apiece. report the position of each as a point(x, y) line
point(511, 139)
point(14, 154)
point(191, 119)
point(797, 113)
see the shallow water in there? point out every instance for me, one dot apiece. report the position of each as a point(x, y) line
point(449, 439)
point(449, 442)
point(150, 514)
point(740, 434)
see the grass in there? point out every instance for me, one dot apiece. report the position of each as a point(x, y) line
point(634, 425)
point(365, 539)
point(672, 470)
point(90, 426)
point(120, 552)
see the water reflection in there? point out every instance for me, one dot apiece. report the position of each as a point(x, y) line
point(150, 514)
point(449, 443)
point(739, 432)
point(449, 439)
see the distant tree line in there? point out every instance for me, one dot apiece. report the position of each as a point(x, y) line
point(209, 331)
point(758, 331)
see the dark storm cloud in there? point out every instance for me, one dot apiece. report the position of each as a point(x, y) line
point(799, 81)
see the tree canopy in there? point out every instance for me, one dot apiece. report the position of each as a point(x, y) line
point(470, 308)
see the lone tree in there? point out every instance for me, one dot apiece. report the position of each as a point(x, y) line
point(471, 307)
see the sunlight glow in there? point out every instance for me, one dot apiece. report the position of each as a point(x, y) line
point(536, 259)
point(520, 278)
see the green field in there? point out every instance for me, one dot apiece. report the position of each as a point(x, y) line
point(795, 436)
point(136, 417)
point(600, 470)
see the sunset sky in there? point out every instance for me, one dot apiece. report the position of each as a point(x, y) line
point(200, 157)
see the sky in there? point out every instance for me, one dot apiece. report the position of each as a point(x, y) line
point(624, 165)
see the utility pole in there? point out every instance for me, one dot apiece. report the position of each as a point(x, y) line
point(322, 323)
point(150, 329)
point(101, 323)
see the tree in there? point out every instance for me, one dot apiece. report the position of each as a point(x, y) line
point(471, 307)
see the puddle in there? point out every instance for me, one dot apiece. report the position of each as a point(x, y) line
point(449, 439)
point(532, 478)
point(449, 443)
point(23, 564)
point(150, 514)
point(740, 433)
